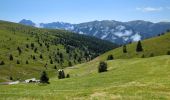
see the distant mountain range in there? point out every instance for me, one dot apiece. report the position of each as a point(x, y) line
point(114, 31)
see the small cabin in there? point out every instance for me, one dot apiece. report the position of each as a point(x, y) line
point(32, 80)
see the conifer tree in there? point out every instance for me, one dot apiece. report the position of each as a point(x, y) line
point(44, 78)
point(139, 47)
point(124, 49)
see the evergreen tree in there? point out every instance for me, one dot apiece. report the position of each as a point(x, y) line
point(139, 47)
point(55, 67)
point(124, 49)
point(27, 46)
point(32, 45)
point(27, 62)
point(10, 57)
point(61, 74)
point(69, 63)
point(2, 63)
point(110, 57)
point(19, 50)
point(41, 57)
point(33, 57)
point(44, 78)
point(61, 55)
point(168, 53)
point(18, 62)
point(51, 61)
point(35, 50)
point(102, 67)
point(10, 78)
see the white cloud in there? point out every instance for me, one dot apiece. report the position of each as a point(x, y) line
point(150, 9)
point(122, 34)
point(136, 37)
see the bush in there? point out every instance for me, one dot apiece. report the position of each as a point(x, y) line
point(151, 55)
point(44, 78)
point(143, 56)
point(110, 57)
point(168, 53)
point(2, 63)
point(68, 76)
point(102, 67)
point(11, 78)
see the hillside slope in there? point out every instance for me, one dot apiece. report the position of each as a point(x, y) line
point(156, 46)
point(126, 79)
point(26, 51)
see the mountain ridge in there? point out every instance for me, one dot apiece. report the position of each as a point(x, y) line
point(115, 31)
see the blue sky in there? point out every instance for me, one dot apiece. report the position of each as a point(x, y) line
point(76, 11)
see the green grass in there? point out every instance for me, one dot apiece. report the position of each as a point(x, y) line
point(129, 79)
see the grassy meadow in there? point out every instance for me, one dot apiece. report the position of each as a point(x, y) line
point(130, 79)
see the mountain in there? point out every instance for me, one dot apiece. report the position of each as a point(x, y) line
point(57, 25)
point(114, 31)
point(148, 29)
point(27, 22)
point(26, 51)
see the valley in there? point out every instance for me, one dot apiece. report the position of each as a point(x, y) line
point(131, 76)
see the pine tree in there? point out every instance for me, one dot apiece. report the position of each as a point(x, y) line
point(10, 57)
point(51, 61)
point(2, 63)
point(55, 67)
point(69, 63)
point(168, 52)
point(18, 62)
point(44, 78)
point(19, 50)
point(41, 56)
point(61, 74)
point(139, 47)
point(110, 57)
point(124, 49)
point(27, 62)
